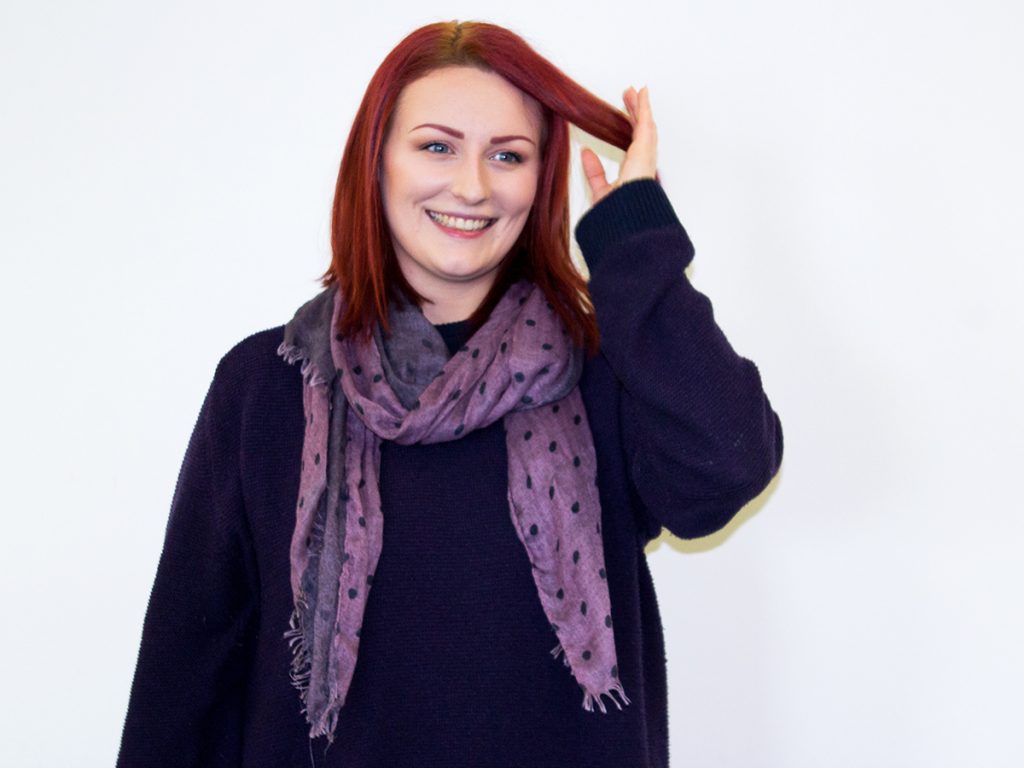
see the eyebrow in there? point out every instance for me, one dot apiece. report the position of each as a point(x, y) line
point(461, 135)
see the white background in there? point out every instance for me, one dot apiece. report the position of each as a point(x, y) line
point(851, 175)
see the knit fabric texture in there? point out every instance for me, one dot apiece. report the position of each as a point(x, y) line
point(453, 665)
point(521, 367)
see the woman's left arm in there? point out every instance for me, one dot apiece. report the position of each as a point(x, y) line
point(700, 433)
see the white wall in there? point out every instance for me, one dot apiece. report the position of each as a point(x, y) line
point(851, 175)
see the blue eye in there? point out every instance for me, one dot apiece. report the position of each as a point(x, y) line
point(433, 144)
point(516, 157)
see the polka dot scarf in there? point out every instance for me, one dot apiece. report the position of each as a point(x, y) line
point(520, 366)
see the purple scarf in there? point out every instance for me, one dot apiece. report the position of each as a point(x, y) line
point(520, 366)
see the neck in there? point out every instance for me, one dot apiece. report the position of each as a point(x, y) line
point(451, 306)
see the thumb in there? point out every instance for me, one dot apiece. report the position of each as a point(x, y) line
point(594, 171)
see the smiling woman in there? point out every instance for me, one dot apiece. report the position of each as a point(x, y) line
point(450, 385)
point(456, 192)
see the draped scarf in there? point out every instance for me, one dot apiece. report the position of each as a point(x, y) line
point(520, 366)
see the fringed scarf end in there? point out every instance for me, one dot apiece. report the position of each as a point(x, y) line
point(589, 699)
point(293, 353)
point(301, 661)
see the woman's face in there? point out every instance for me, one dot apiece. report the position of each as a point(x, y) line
point(460, 168)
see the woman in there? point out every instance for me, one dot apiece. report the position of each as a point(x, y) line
point(455, 385)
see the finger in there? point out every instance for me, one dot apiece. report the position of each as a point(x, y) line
point(594, 171)
point(629, 99)
point(644, 111)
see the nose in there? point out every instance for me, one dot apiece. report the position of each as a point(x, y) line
point(469, 182)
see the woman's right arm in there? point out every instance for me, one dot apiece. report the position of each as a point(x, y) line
point(185, 703)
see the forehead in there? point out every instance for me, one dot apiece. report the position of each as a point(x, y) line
point(467, 97)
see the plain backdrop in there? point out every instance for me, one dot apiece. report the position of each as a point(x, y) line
point(851, 176)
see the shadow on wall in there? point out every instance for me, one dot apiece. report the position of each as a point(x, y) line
point(717, 539)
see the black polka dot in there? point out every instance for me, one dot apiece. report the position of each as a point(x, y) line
point(360, 409)
point(357, 370)
point(560, 594)
point(575, 507)
point(545, 346)
point(607, 620)
point(529, 482)
point(526, 399)
point(552, 446)
point(504, 346)
point(345, 556)
point(586, 655)
point(544, 370)
point(458, 429)
point(576, 419)
point(602, 573)
point(427, 344)
point(583, 607)
point(554, 409)
point(353, 592)
point(575, 461)
point(522, 301)
point(362, 482)
point(309, 542)
point(520, 377)
point(338, 337)
point(575, 556)
point(558, 544)
point(415, 405)
point(362, 521)
point(456, 393)
point(302, 501)
point(528, 434)
point(531, 322)
point(482, 385)
point(358, 631)
point(377, 377)
point(476, 353)
point(316, 459)
point(533, 530)
point(369, 578)
point(615, 671)
point(551, 492)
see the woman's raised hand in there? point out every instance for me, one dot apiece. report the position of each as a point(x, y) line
point(641, 157)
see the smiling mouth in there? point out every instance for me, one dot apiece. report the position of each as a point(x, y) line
point(459, 223)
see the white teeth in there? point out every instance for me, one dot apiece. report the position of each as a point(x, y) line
point(467, 225)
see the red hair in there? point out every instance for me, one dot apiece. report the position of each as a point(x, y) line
point(363, 262)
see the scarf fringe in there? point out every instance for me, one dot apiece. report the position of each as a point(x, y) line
point(301, 668)
point(301, 665)
point(589, 699)
point(293, 353)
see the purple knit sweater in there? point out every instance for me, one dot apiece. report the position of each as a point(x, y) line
point(454, 667)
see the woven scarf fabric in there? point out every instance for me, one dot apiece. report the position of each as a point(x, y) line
point(520, 366)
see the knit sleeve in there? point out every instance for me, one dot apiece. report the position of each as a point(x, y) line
point(700, 434)
point(185, 704)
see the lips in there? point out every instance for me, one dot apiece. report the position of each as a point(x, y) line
point(455, 221)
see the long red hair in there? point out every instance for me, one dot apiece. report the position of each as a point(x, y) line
point(363, 262)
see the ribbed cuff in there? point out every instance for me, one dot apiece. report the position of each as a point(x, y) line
point(636, 206)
